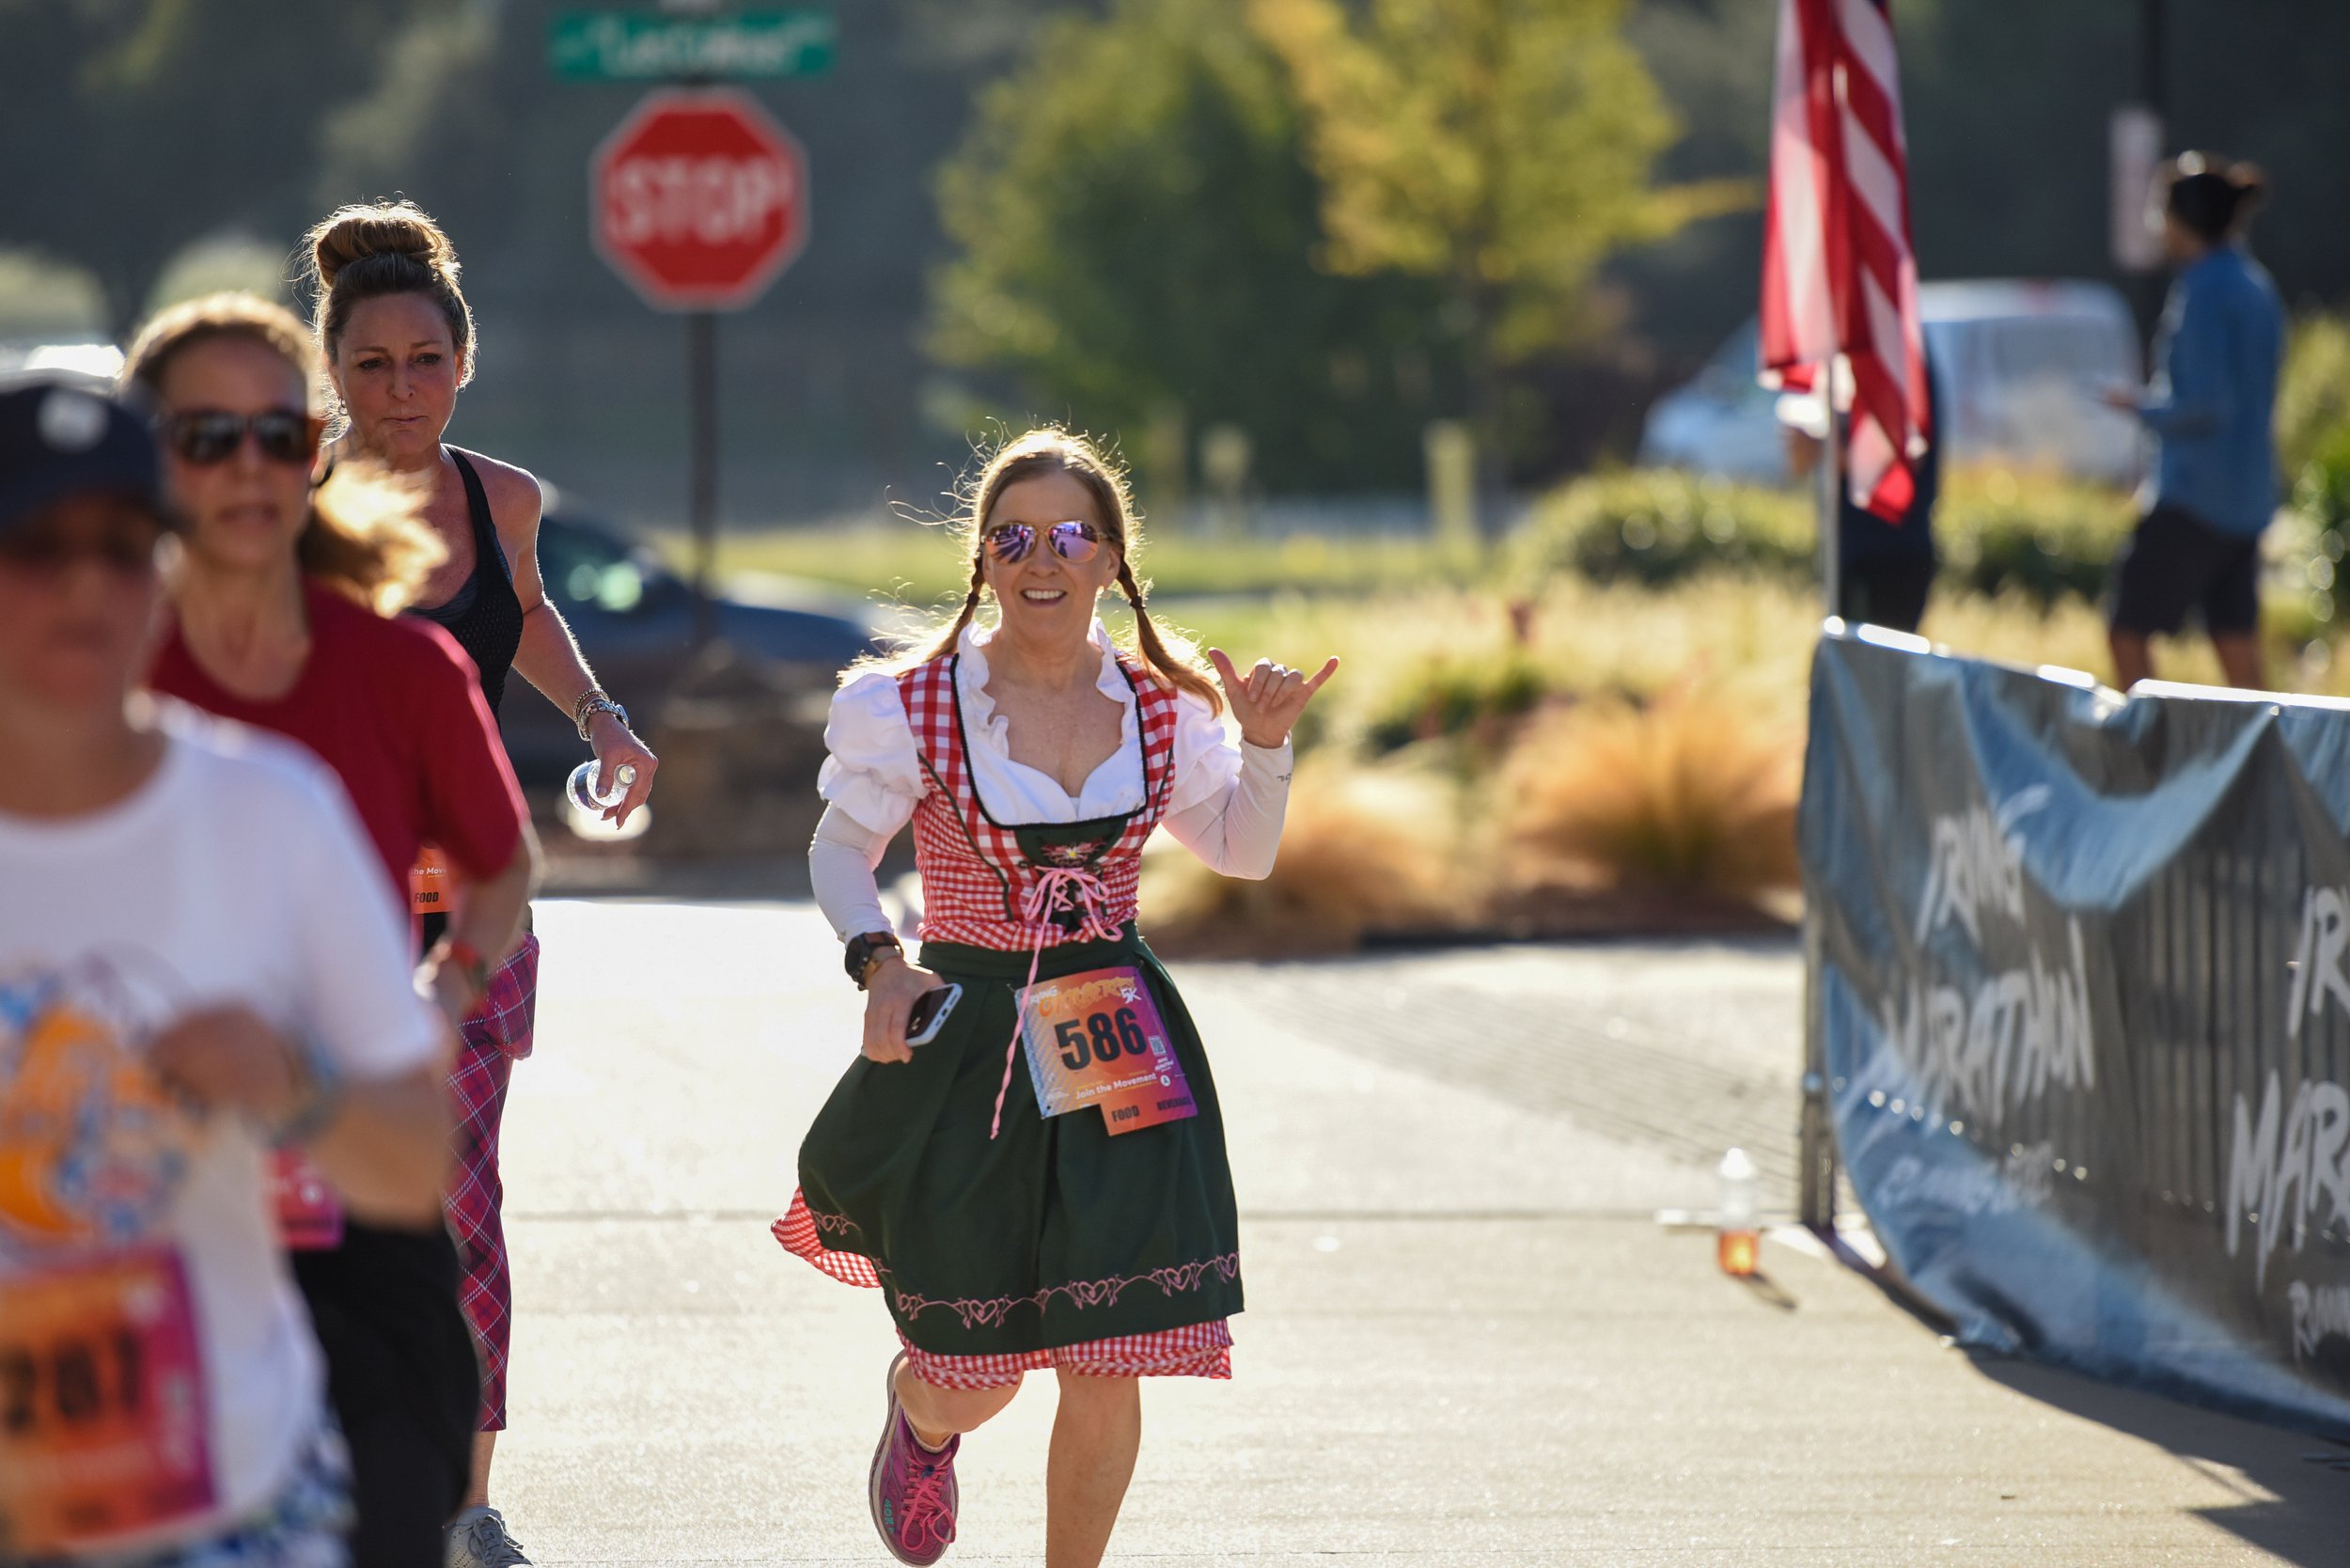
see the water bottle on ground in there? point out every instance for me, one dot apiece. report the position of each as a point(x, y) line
point(583, 804)
point(1741, 1245)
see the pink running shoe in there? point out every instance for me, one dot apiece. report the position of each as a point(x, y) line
point(911, 1489)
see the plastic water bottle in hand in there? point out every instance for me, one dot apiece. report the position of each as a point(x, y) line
point(583, 804)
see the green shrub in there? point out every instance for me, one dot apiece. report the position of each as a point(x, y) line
point(2048, 537)
point(2314, 393)
point(1452, 695)
point(2300, 590)
point(1657, 526)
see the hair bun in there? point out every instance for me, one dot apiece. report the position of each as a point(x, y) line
point(355, 233)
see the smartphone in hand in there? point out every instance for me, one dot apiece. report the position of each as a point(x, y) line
point(929, 1013)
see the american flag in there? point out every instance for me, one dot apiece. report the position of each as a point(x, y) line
point(1838, 277)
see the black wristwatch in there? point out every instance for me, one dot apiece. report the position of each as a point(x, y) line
point(862, 955)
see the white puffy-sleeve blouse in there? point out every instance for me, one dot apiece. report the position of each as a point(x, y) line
point(1225, 805)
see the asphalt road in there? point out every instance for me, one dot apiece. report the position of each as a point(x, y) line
point(1468, 1340)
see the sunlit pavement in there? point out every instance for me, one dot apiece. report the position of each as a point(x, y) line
point(1467, 1342)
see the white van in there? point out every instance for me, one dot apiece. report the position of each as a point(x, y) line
point(2017, 365)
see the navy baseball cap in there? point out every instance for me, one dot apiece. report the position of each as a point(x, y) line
point(64, 435)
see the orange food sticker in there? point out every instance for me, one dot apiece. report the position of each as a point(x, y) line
point(431, 884)
point(101, 1403)
point(1096, 1039)
point(310, 1217)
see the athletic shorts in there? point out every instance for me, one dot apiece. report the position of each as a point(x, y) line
point(1889, 591)
point(2176, 564)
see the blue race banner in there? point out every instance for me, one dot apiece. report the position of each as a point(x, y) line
point(2081, 971)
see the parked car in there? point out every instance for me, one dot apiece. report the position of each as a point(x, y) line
point(93, 357)
point(2019, 366)
point(634, 622)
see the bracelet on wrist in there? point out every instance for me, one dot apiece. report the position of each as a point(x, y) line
point(462, 956)
point(865, 953)
point(591, 702)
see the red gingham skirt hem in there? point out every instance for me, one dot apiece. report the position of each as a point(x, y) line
point(1194, 1350)
point(798, 1233)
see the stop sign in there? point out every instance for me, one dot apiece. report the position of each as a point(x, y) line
point(698, 199)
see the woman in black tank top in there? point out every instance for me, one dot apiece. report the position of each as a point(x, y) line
point(398, 339)
point(484, 614)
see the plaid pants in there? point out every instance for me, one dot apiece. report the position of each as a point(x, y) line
point(494, 1038)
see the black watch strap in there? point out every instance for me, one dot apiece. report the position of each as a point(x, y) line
point(863, 949)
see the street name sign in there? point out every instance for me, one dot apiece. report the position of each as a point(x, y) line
point(627, 46)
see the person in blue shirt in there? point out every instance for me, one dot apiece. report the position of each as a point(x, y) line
point(2197, 548)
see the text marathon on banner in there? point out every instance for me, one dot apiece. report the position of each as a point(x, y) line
point(2081, 970)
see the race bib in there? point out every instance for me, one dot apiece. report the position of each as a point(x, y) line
point(1096, 1039)
point(310, 1217)
point(101, 1403)
point(431, 884)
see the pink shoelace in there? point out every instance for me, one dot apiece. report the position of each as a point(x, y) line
point(926, 1504)
point(1059, 890)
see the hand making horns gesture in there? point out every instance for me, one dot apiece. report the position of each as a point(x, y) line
point(1267, 700)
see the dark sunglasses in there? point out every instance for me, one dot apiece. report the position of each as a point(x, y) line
point(206, 436)
point(49, 555)
point(1013, 543)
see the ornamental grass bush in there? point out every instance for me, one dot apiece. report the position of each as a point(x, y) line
point(1363, 850)
point(1692, 791)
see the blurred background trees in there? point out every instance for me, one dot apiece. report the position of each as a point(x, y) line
point(1138, 244)
point(136, 128)
point(1157, 219)
point(1500, 149)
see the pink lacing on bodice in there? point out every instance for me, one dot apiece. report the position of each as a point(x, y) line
point(1057, 889)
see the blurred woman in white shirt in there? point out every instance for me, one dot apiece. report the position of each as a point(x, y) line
point(197, 962)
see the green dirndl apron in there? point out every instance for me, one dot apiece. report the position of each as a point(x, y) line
point(1051, 1234)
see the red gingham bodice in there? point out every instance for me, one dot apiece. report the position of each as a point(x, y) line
point(976, 880)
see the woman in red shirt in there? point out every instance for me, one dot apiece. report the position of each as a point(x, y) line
point(275, 623)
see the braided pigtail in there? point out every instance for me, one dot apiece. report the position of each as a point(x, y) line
point(953, 635)
point(913, 656)
point(1174, 658)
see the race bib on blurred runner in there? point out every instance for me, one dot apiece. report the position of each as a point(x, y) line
point(101, 1403)
point(310, 1217)
point(1096, 1039)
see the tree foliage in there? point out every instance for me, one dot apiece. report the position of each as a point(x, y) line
point(1504, 147)
point(1136, 230)
point(132, 125)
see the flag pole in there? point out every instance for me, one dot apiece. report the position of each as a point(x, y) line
point(1831, 495)
point(1815, 1133)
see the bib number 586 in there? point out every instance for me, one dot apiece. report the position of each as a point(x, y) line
point(1103, 1037)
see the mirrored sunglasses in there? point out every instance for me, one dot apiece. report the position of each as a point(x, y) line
point(206, 436)
point(1072, 541)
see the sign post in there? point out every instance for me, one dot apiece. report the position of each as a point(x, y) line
point(699, 200)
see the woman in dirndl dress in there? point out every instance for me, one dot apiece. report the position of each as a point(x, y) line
point(1043, 1182)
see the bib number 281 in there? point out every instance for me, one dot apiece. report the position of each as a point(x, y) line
point(103, 1408)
